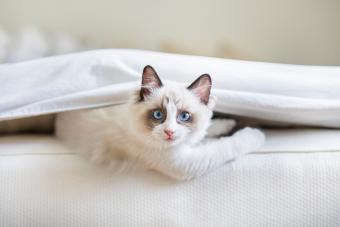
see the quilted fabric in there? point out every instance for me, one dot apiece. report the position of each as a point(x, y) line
point(42, 183)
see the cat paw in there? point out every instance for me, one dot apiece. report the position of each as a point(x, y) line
point(220, 127)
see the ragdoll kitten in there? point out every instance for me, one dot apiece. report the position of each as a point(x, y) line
point(163, 127)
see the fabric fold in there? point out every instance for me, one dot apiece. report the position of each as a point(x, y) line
point(292, 94)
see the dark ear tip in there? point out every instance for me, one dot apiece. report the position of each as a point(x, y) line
point(206, 76)
point(148, 67)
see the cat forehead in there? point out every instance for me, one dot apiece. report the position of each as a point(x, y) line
point(178, 95)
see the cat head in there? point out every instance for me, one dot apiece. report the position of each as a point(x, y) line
point(168, 115)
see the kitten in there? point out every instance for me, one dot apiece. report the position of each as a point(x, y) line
point(167, 128)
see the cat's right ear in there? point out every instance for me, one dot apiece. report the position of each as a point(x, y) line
point(150, 81)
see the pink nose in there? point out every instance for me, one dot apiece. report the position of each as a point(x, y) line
point(168, 132)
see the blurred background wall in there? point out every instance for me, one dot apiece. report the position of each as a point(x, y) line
point(285, 31)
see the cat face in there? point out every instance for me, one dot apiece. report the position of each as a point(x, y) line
point(169, 115)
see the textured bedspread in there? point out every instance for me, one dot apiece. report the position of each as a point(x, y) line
point(44, 184)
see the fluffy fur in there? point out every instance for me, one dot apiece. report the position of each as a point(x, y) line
point(179, 148)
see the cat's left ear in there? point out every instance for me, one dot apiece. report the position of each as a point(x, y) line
point(201, 87)
point(150, 81)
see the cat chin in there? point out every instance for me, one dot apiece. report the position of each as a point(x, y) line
point(170, 143)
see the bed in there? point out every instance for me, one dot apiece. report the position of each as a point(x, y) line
point(294, 180)
point(288, 183)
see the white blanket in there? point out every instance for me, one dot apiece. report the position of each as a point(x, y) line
point(307, 95)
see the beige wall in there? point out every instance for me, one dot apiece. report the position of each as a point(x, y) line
point(287, 31)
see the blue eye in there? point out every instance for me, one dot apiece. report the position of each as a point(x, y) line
point(157, 114)
point(184, 116)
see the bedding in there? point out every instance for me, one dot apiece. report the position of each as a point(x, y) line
point(44, 184)
point(307, 95)
point(293, 180)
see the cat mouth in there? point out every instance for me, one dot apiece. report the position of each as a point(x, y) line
point(170, 138)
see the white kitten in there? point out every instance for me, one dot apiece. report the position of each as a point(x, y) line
point(163, 127)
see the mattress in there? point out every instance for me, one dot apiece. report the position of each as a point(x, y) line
point(294, 180)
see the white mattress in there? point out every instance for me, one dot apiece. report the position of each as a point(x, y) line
point(293, 181)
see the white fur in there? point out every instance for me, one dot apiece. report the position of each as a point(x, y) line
point(119, 132)
point(219, 127)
